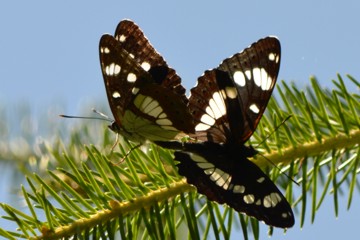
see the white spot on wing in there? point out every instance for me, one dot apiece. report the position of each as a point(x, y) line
point(267, 201)
point(145, 103)
point(216, 174)
point(277, 59)
point(116, 94)
point(131, 77)
point(163, 115)
point(202, 127)
point(197, 158)
point(214, 111)
point(208, 168)
point(272, 200)
point(122, 38)
point(205, 165)
point(271, 56)
point(112, 69)
point(156, 112)
point(209, 111)
point(209, 171)
point(134, 90)
point(149, 105)
point(231, 92)
point(152, 108)
point(261, 78)
point(276, 197)
point(226, 186)
point(267, 84)
point(131, 55)
point(248, 74)
point(254, 108)
point(260, 180)
point(224, 181)
point(209, 121)
point(105, 50)
point(239, 189)
point(146, 66)
point(257, 76)
point(249, 199)
point(239, 78)
point(218, 105)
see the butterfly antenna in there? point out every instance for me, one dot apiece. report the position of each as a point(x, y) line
point(274, 130)
point(103, 116)
point(277, 167)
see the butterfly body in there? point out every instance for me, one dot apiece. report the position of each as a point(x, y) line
point(145, 95)
point(227, 104)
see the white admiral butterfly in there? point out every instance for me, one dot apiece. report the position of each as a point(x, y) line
point(227, 105)
point(145, 95)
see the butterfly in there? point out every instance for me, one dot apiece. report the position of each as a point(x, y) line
point(227, 104)
point(145, 95)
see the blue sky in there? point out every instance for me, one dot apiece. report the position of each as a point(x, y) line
point(49, 53)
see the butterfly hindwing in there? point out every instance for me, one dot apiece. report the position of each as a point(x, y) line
point(145, 95)
point(227, 176)
point(210, 107)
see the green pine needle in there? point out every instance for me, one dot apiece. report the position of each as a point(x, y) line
point(85, 192)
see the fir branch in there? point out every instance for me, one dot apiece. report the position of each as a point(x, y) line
point(314, 148)
point(84, 194)
point(117, 209)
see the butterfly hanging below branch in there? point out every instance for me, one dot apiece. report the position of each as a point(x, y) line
point(145, 95)
point(226, 105)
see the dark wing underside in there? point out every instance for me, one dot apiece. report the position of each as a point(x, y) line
point(145, 95)
point(228, 101)
point(227, 176)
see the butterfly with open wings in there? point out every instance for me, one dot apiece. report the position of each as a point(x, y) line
point(227, 105)
point(145, 95)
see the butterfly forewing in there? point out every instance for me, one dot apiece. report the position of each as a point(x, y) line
point(117, 66)
point(242, 84)
point(133, 40)
point(254, 72)
point(144, 93)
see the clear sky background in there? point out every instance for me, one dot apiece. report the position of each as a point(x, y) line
point(49, 55)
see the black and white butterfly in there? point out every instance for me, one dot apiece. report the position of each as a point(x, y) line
point(227, 105)
point(145, 95)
